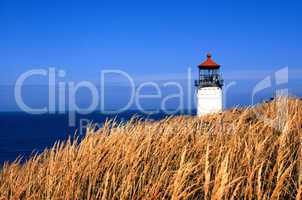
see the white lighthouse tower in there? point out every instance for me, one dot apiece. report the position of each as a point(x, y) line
point(209, 88)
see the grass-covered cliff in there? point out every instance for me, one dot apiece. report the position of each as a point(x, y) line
point(250, 153)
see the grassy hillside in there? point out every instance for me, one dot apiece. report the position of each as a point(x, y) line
point(235, 154)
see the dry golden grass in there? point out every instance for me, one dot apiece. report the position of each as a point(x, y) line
point(232, 155)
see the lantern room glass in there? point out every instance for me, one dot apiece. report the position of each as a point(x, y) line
point(209, 78)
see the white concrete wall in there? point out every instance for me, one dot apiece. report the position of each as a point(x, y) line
point(209, 100)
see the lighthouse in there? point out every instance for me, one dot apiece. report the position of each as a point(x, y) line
point(209, 87)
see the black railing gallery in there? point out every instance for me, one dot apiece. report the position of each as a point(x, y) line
point(209, 81)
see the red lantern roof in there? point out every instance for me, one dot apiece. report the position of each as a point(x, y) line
point(209, 63)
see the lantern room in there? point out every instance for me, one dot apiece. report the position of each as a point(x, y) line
point(209, 74)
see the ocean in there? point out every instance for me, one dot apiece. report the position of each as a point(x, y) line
point(22, 134)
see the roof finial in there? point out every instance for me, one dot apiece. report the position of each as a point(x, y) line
point(209, 55)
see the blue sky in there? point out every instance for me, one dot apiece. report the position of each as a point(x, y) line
point(149, 39)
